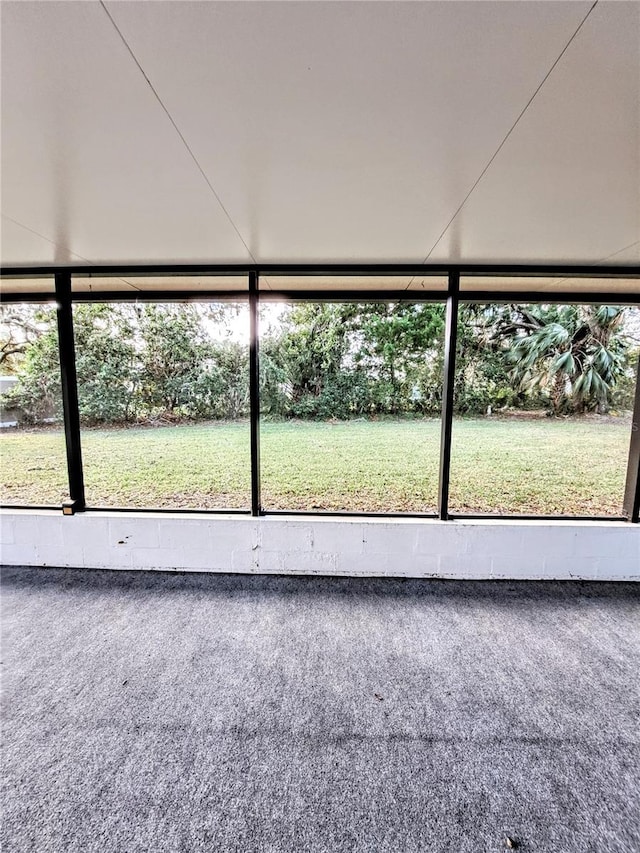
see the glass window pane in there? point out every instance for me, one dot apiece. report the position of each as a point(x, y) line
point(32, 445)
point(351, 398)
point(164, 404)
point(543, 404)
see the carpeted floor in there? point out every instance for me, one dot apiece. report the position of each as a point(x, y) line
point(155, 712)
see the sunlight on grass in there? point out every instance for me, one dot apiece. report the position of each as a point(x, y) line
point(504, 466)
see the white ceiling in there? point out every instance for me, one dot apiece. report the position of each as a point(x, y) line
point(320, 131)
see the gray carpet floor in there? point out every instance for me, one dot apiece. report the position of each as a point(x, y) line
point(157, 712)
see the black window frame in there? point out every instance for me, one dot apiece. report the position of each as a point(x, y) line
point(65, 298)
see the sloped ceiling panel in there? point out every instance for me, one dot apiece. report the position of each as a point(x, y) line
point(89, 159)
point(567, 182)
point(304, 131)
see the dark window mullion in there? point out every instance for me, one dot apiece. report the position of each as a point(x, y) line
point(69, 383)
point(631, 503)
point(254, 393)
point(450, 342)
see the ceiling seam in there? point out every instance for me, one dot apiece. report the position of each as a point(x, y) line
point(178, 131)
point(59, 246)
point(619, 252)
point(512, 128)
point(602, 260)
point(48, 239)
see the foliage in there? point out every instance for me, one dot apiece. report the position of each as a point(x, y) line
point(21, 326)
point(482, 380)
point(37, 394)
point(222, 388)
point(173, 358)
point(319, 361)
point(337, 360)
point(622, 396)
point(570, 352)
point(105, 363)
point(400, 342)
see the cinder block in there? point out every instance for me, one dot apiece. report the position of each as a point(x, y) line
point(203, 570)
point(413, 566)
point(156, 558)
point(338, 537)
point(206, 558)
point(276, 535)
point(523, 567)
point(106, 559)
point(233, 535)
point(558, 538)
point(365, 564)
point(562, 550)
point(619, 568)
point(444, 538)
point(133, 533)
point(244, 561)
point(19, 554)
point(31, 527)
point(176, 532)
point(465, 566)
point(90, 532)
point(389, 538)
point(183, 559)
point(570, 568)
point(495, 540)
point(59, 555)
point(618, 540)
point(309, 563)
point(6, 530)
point(270, 562)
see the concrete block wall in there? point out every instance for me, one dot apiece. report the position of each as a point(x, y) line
point(323, 546)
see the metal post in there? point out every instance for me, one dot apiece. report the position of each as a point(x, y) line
point(69, 394)
point(254, 393)
point(450, 339)
point(631, 502)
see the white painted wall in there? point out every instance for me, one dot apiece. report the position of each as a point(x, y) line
point(323, 546)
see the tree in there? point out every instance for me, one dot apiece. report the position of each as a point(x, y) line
point(401, 343)
point(105, 366)
point(482, 377)
point(309, 355)
point(37, 393)
point(107, 362)
point(21, 325)
point(574, 353)
point(221, 389)
point(345, 359)
point(173, 355)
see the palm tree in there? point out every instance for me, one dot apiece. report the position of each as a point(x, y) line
point(573, 353)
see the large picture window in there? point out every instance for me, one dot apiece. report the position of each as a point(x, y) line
point(351, 398)
point(32, 441)
point(322, 390)
point(163, 393)
point(544, 395)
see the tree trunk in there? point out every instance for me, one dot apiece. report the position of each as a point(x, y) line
point(557, 392)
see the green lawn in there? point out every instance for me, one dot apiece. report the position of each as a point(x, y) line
point(531, 466)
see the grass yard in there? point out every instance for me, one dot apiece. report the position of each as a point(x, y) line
point(503, 466)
